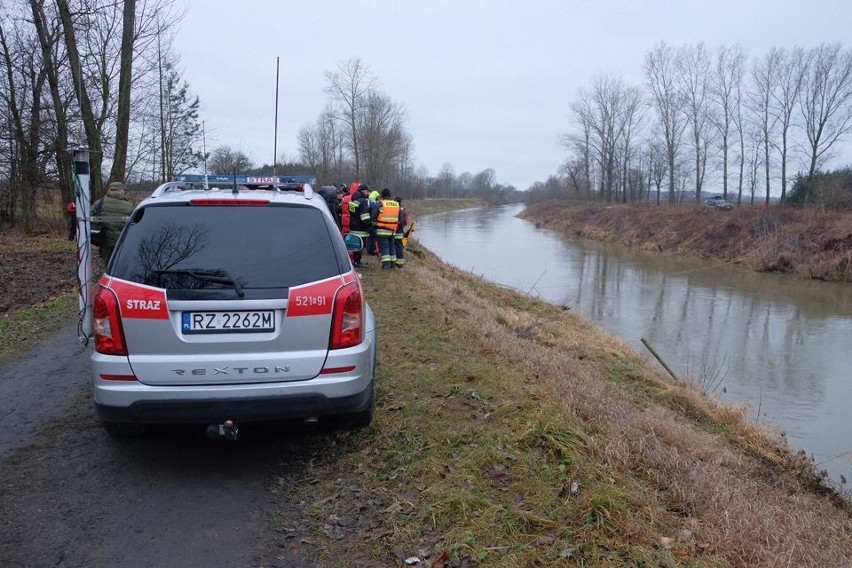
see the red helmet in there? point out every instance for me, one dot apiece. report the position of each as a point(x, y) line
point(71, 207)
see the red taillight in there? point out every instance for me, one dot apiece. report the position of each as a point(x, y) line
point(347, 320)
point(118, 377)
point(109, 335)
point(334, 370)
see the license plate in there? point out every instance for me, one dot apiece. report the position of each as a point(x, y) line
point(228, 322)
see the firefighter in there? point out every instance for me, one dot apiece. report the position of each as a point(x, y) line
point(344, 208)
point(387, 222)
point(372, 244)
point(360, 220)
point(400, 233)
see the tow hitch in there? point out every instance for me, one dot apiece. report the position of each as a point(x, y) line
point(227, 429)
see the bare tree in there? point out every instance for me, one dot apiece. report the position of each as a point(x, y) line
point(574, 168)
point(25, 78)
point(321, 147)
point(347, 88)
point(632, 120)
point(94, 138)
point(764, 75)
point(48, 33)
point(792, 69)
point(122, 120)
point(693, 80)
point(661, 75)
point(226, 160)
point(381, 133)
point(445, 181)
point(825, 101)
point(726, 89)
point(97, 36)
point(657, 164)
point(607, 115)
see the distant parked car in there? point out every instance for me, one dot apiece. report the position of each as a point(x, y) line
point(718, 202)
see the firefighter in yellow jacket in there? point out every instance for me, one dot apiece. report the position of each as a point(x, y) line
point(387, 220)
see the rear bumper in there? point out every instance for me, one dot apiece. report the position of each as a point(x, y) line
point(239, 410)
point(346, 390)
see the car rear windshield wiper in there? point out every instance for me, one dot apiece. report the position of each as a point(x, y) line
point(215, 276)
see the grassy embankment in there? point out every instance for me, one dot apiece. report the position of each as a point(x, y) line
point(510, 432)
point(804, 242)
point(37, 294)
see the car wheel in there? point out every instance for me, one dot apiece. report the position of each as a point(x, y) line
point(124, 429)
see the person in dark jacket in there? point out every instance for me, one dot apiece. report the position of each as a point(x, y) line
point(329, 194)
point(114, 208)
point(400, 233)
point(360, 218)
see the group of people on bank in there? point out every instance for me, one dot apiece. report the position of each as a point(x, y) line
point(378, 218)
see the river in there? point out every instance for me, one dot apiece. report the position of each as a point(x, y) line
point(781, 344)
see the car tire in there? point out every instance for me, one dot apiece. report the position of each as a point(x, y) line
point(124, 429)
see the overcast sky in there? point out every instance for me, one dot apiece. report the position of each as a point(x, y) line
point(485, 83)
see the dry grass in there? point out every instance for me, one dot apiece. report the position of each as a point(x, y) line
point(804, 242)
point(512, 433)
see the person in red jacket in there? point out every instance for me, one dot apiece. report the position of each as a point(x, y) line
point(344, 210)
point(71, 221)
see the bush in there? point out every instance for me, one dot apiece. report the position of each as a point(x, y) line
point(827, 190)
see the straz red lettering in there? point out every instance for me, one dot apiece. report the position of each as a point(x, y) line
point(261, 180)
point(138, 301)
point(143, 304)
point(313, 299)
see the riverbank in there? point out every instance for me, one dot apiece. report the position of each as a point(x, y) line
point(803, 242)
point(512, 432)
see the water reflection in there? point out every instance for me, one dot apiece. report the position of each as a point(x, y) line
point(781, 344)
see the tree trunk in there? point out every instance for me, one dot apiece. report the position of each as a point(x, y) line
point(46, 41)
point(93, 133)
point(122, 127)
point(766, 164)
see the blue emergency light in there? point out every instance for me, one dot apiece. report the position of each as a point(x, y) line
point(242, 179)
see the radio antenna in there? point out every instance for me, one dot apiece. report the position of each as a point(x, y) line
point(275, 143)
point(204, 152)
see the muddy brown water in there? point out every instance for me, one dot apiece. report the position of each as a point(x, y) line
point(783, 345)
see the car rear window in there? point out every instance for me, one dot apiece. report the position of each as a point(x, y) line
point(267, 247)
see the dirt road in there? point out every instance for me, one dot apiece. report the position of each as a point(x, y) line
point(71, 496)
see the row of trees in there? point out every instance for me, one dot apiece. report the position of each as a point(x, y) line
point(705, 117)
point(104, 75)
point(362, 135)
point(90, 72)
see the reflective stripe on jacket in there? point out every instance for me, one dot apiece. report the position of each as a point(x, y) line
point(359, 214)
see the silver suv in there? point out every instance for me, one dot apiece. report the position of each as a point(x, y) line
point(221, 306)
point(718, 202)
